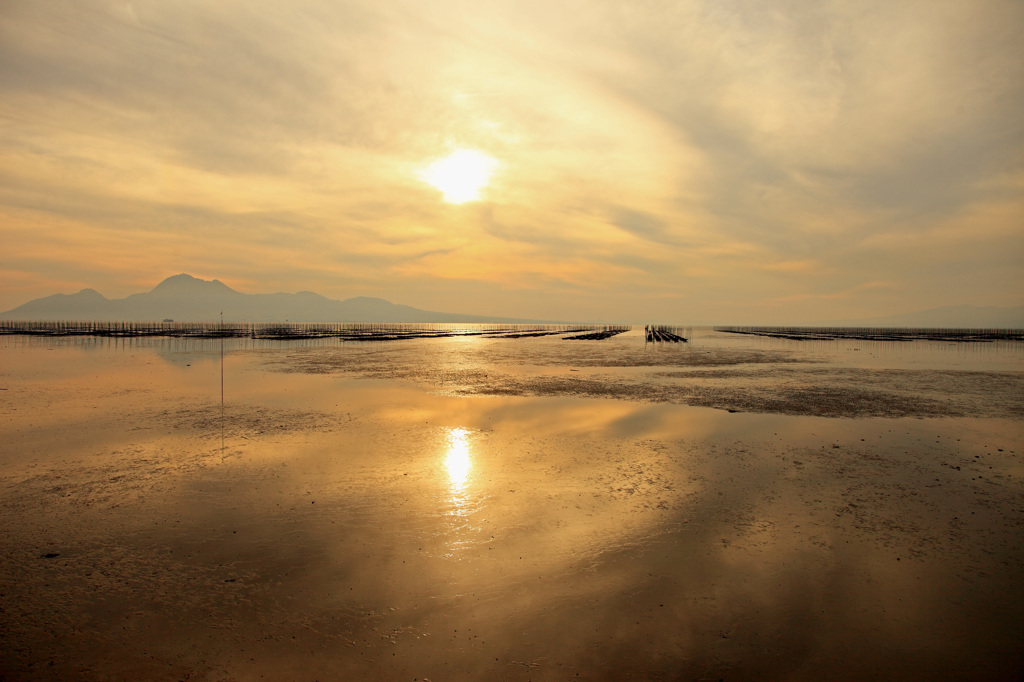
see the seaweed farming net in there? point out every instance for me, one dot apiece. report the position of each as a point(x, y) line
point(880, 333)
point(664, 334)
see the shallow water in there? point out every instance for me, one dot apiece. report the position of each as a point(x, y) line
point(475, 508)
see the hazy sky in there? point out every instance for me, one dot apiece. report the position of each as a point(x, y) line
point(684, 161)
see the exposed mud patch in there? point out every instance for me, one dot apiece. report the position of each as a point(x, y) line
point(736, 380)
point(401, 362)
point(857, 392)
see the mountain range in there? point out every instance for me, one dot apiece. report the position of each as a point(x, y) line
point(189, 299)
point(186, 298)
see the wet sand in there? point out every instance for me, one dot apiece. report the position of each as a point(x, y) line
point(509, 509)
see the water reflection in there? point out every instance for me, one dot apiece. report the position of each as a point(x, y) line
point(462, 503)
point(457, 461)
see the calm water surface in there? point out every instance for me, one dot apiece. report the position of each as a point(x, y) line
point(470, 508)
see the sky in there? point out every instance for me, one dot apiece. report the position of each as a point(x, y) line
point(692, 161)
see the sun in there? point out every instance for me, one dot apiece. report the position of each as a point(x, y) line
point(461, 175)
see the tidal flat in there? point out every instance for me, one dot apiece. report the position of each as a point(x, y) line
point(472, 508)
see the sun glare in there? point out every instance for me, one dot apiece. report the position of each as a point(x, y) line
point(461, 175)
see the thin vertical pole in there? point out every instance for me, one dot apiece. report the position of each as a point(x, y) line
point(222, 382)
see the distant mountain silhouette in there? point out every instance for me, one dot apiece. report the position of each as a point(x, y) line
point(186, 298)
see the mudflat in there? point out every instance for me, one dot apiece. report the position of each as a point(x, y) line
point(474, 508)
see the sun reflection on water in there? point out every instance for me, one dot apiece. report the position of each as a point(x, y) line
point(457, 461)
point(461, 530)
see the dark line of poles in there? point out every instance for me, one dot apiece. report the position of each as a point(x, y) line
point(353, 331)
point(957, 334)
point(663, 334)
point(599, 334)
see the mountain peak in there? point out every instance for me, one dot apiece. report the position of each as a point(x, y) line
point(187, 284)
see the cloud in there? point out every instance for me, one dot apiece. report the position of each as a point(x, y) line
point(642, 225)
point(726, 149)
